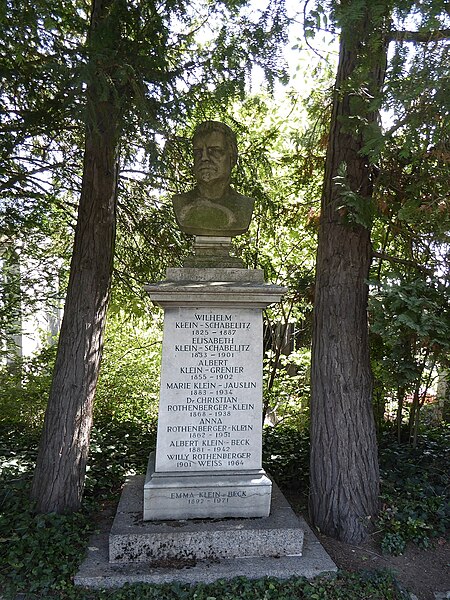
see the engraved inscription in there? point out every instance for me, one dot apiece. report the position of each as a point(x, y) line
point(206, 496)
point(211, 390)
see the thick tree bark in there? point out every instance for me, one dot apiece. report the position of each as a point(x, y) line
point(344, 465)
point(60, 471)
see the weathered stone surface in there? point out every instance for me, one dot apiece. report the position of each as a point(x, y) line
point(210, 402)
point(206, 495)
point(211, 251)
point(213, 208)
point(133, 539)
point(97, 572)
point(214, 293)
point(228, 216)
point(218, 275)
point(210, 408)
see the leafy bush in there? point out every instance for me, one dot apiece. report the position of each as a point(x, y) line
point(415, 490)
point(286, 454)
point(128, 386)
point(286, 388)
point(24, 389)
point(117, 449)
point(415, 482)
point(18, 449)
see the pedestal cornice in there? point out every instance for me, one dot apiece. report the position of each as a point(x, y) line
point(214, 287)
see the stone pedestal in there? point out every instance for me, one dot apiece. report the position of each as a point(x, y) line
point(208, 453)
point(135, 540)
point(190, 551)
point(212, 250)
point(208, 459)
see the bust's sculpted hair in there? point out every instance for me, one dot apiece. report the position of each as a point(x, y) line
point(230, 136)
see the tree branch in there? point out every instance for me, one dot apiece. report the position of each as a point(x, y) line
point(419, 37)
point(401, 261)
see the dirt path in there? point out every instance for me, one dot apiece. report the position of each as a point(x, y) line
point(422, 572)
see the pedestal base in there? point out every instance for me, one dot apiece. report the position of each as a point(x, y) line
point(135, 540)
point(205, 495)
point(130, 535)
point(213, 251)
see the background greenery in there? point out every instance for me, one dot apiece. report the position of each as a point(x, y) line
point(282, 133)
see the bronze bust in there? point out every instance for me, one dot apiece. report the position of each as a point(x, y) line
point(213, 207)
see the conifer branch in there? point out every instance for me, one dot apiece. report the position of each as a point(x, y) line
point(419, 37)
point(401, 261)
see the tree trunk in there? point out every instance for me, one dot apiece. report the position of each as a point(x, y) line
point(60, 470)
point(401, 400)
point(344, 464)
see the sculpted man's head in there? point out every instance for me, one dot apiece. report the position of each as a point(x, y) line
point(213, 207)
point(215, 153)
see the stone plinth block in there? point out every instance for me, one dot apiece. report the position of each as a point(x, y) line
point(210, 403)
point(97, 572)
point(134, 540)
point(225, 275)
point(209, 441)
point(206, 495)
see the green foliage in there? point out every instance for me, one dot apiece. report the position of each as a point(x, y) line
point(24, 388)
point(43, 561)
point(357, 209)
point(18, 449)
point(416, 310)
point(286, 387)
point(412, 176)
point(415, 491)
point(286, 454)
point(126, 402)
point(129, 378)
point(117, 450)
point(410, 333)
point(415, 482)
point(160, 66)
point(39, 553)
point(349, 586)
point(128, 386)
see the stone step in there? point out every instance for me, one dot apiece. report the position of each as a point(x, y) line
point(134, 540)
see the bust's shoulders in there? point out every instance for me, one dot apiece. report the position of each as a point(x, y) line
point(240, 199)
point(229, 215)
point(186, 197)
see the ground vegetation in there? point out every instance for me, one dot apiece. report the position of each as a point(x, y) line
point(382, 231)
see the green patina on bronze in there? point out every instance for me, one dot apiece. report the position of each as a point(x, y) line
point(213, 207)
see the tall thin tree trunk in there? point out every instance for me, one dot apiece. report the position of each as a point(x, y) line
point(400, 399)
point(344, 463)
point(60, 471)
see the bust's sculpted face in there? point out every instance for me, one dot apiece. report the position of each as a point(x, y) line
point(213, 208)
point(212, 158)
